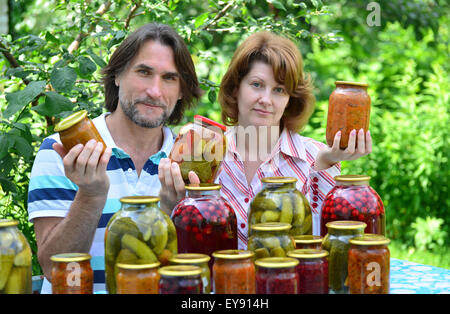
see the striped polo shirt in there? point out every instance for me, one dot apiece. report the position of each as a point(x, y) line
point(51, 193)
point(292, 156)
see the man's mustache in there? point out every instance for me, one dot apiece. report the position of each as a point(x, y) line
point(150, 102)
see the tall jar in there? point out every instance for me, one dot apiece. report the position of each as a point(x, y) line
point(72, 273)
point(15, 259)
point(138, 278)
point(195, 259)
point(139, 233)
point(280, 201)
point(308, 242)
point(336, 242)
point(368, 265)
point(180, 279)
point(271, 239)
point(276, 275)
point(348, 109)
point(200, 147)
point(352, 198)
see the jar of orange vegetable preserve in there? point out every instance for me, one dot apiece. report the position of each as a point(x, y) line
point(307, 241)
point(195, 259)
point(137, 278)
point(72, 274)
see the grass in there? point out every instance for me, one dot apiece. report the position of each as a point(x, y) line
point(438, 258)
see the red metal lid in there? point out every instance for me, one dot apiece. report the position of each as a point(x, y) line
point(210, 122)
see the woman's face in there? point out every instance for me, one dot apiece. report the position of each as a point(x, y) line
point(261, 100)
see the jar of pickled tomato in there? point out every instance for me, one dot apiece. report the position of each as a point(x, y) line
point(195, 259)
point(180, 279)
point(137, 278)
point(276, 275)
point(72, 274)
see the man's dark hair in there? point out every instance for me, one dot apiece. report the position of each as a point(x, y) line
point(129, 49)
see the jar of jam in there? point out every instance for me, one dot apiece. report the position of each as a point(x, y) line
point(138, 278)
point(15, 259)
point(308, 242)
point(180, 279)
point(139, 233)
point(336, 242)
point(200, 147)
point(348, 109)
point(352, 198)
point(368, 265)
point(77, 129)
point(276, 275)
point(195, 259)
point(233, 272)
point(271, 239)
point(280, 201)
point(312, 270)
point(72, 274)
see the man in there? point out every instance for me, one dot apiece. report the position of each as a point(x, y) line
point(150, 80)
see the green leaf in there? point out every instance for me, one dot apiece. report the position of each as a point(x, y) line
point(87, 66)
point(96, 58)
point(6, 141)
point(199, 20)
point(277, 4)
point(212, 96)
point(23, 147)
point(54, 104)
point(18, 100)
point(7, 185)
point(63, 79)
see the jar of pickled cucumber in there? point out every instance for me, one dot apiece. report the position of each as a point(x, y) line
point(308, 242)
point(15, 259)
point(139, 233)
point(72, 273)
point(195, 259)
point(180, 279)
point(336, 242)
point(271, 239)
point(280, 201)
point(138, 278)
point(276, 275)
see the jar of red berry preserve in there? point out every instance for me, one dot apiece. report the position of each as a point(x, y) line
point(352, 198)
point(307, 241)
point(180, 279)
point(276, 275)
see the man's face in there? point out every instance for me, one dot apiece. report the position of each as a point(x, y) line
point(149, 87)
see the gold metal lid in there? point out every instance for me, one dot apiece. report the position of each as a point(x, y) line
point(352, 178)
point(271, 226)
point(307, 253)
point(276, 262)
point(203, 187)
point(307, 238)
point(233, 254)
point(346, 225)
point(8, 223)
point(139, 199)
point(180, 270)
point(70, 257)
point(138, 266)
point(189, 258)
point(370, 239)
point(279, 180)
point(70, 121)
point(351, 83)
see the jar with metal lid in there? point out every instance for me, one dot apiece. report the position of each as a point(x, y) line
point(352, 198)
point(336, 242)
point(280, 201)
point(308, 242)
point(138, 278)
point(180, 279)
point(72, 273)
point(139, 233)
point(312, 270)
point(233, 272)
point(271, 239)
point(15, 259)
point(369, 265)
point(276, 275)
point(195, 259)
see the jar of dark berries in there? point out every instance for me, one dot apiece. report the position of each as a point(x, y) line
point(180, 279)
point(276, 275)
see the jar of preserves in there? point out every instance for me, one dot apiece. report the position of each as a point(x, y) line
point(271, 239)
point(180, 279)
point(280, 201)
point(15, 259)
point(308, 242)
point(200, 147)
point(336, 242)
point(276, 275)
point(348, 109)
point(77, 129)
point(312, 270)
point(368, 265)
point(138, 278)
point(352, 198)
point(233, 272)
point(72, 273)
point(139, 233)
point(196, 259)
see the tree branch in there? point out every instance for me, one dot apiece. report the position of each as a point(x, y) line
point(131, 14)
point(11, 59)
point(218, 16)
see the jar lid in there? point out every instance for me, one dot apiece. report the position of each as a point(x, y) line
point(203, 187)
point(138, 266)
point(370, 239)
point(180, 270)
point(307, 253)
point(351, 83)
point(271, 226)
point(352, 178)
point(307, 238)
point(210, 122)
point(70, 257)
point(276, 262)
point(233, 254)
point(346, 224)
point(8, 223)
point(139, 199)
point(279, 180)
point(189, 258)
point(70, 121)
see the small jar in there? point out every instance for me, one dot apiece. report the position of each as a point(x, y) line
point(180, 279)
point(308, 242)
point(271, 239)
point(368, 265)
point(276, 275)
point(15, 259)
point(312, 270)
point(72, 274)
point(233, 272)
point(195, 259)
point(138, 278)
point(77, 129)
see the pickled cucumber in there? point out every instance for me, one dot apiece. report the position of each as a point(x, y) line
point(264, 203)
point(6, 265)
point(17, 281)
point(270, 216)
point(299, 210)
point(138, 247)
point(126, 256)
point(112, 246)
point(159, 238)
point(277, 252)
point(286, 210)
point(270, 242)
point(261, 252)
point(126, 225)
point(203, 169)
point(23, 258)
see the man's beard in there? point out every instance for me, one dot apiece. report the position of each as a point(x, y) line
point(133, 114)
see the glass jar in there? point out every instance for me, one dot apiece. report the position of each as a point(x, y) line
point(139, 233)
point(72, 273)
point(348, 109)
point(180, 279)
point(312, 270)
point(308, 242)
point(336, 242)
point(233, 272)
point(276, 275)
point(271, 239)
point(195, 259)
point(352, 198)
point(15, 259)
point(138, 278)
point(200, 147)
point(280, 201)
point(368, 265)
point(77, 129)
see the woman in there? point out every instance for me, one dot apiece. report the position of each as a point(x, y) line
point(266, 100)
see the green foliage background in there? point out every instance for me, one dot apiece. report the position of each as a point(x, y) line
point(50, 66)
